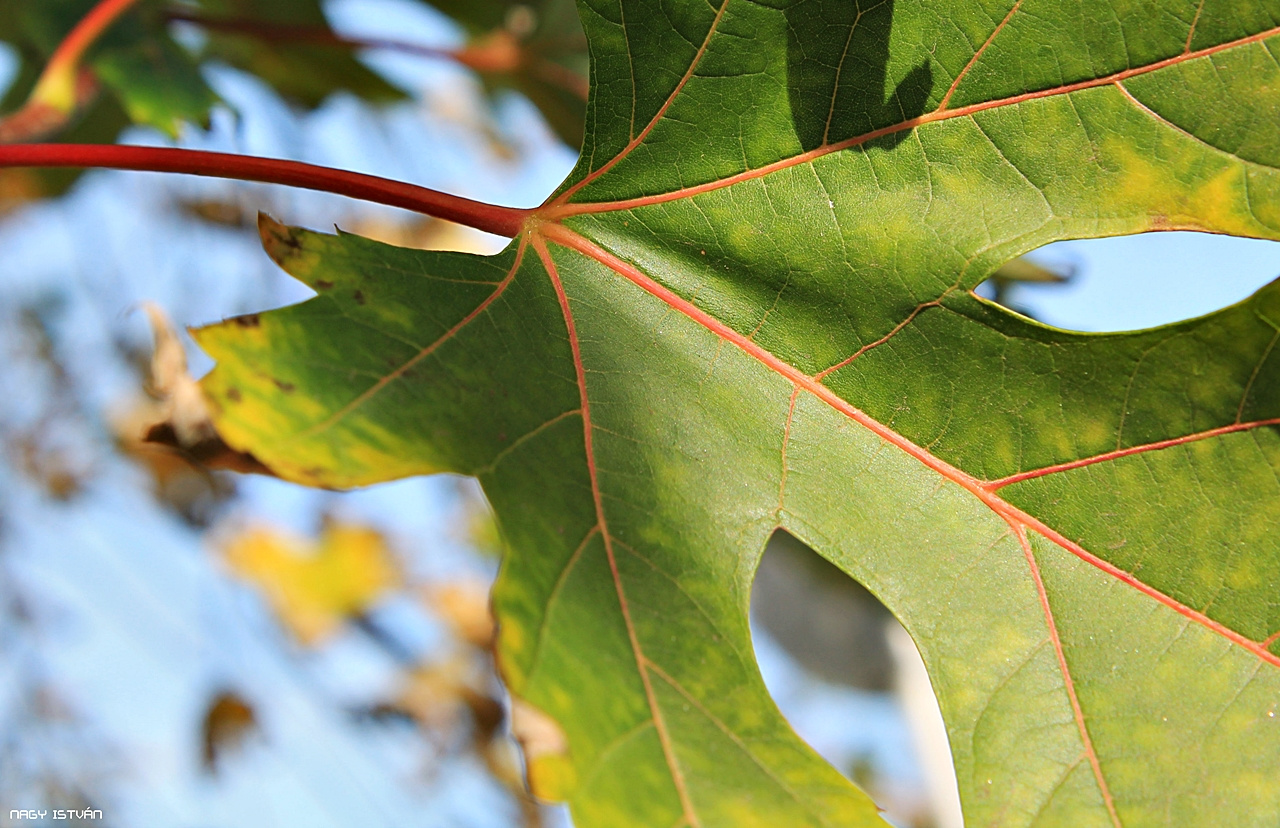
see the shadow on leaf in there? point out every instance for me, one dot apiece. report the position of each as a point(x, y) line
point(837, 73)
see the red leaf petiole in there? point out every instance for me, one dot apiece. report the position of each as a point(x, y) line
point(491, 218)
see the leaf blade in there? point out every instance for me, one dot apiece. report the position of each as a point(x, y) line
point(766, 321)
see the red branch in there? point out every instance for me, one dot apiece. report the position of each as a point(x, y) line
point(491, 218)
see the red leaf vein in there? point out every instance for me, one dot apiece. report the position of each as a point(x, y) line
point(662, 110)
point(977, 55)
point(1021, 533)
point(642, 663)
point(821, 375)
point(1125, 452)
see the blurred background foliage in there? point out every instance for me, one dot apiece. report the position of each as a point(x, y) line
point(182, 644)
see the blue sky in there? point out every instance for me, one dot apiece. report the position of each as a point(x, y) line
point(1150, 279)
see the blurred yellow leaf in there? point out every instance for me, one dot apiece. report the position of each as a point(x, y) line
point(464, 605)
point(17, 187)
point(315, 586)
point(436, 696)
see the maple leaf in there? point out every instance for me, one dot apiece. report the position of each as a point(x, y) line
point(750, 307)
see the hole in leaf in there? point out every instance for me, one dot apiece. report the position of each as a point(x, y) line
point(848, 678)
point(1132, 282)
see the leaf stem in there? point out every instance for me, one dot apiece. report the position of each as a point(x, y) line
point(58, 81)
point(64, 86)
point(491, 218)
point(285, 33)
point(497, 53)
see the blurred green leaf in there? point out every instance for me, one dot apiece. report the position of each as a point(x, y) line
point(154, 79)
point(304, 72)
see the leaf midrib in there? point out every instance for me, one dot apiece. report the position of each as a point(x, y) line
point(642, 661)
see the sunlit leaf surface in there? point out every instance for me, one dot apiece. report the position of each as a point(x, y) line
point(750, 307)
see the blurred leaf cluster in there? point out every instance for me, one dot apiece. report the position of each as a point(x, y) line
point(147, 67)
point(325, 589)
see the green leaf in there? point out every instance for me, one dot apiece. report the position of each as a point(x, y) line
point(153, 79)
point(751, 307)
point(156, 80)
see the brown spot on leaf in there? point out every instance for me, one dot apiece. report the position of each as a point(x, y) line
point(359, 297)
point(285, 236)
point(322, 284)
point(286, 387)
point(279, 241)
point(315, 474)
point(251, 320)
point(233, 394)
